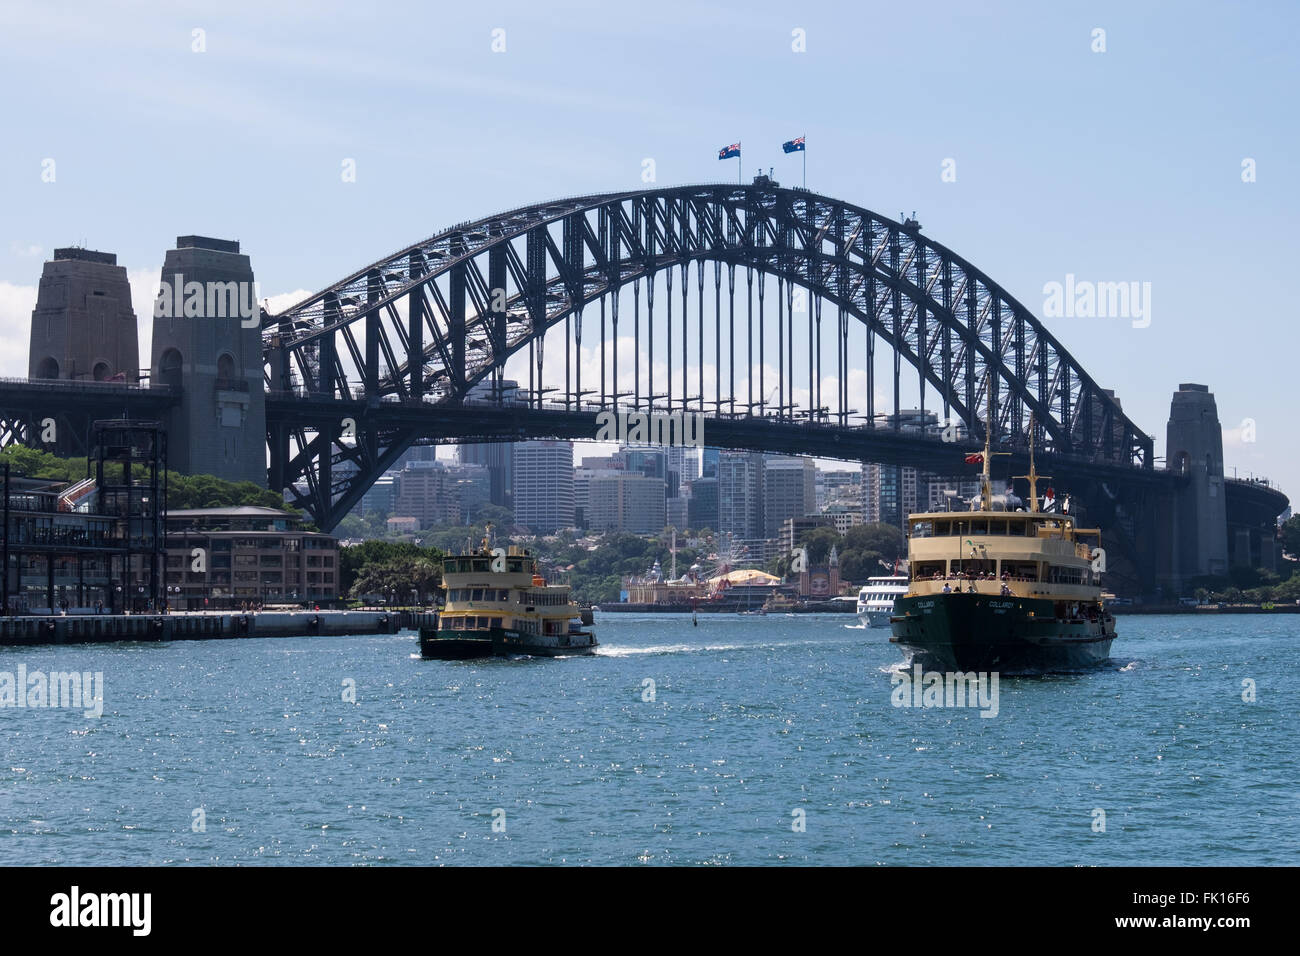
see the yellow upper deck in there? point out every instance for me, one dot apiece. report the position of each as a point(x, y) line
point(1034, 553)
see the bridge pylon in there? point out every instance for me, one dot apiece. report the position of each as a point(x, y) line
point(207, 343)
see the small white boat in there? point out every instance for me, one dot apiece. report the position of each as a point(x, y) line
point(876, 599)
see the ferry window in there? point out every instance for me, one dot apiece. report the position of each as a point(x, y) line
point(922, 529)
point(999, 527)
point(496, 622)
point(943, 528)
point(979, 527)
point(478, 595)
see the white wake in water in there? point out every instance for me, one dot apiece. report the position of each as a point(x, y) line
point(606, 650)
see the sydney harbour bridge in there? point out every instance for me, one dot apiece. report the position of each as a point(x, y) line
point(755, 306)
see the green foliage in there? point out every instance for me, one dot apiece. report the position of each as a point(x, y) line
point(183, 491)
point(370, 525)
point(378, 566)
point(35, 463)
point(205, 491)
point(857, 566)
point(1289, 535)
point(400, 580)
point(861, 550)
point(884, 538)
point(597, 575)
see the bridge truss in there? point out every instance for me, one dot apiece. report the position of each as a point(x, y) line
point(433, 326)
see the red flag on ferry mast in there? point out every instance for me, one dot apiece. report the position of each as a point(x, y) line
point(976, 459)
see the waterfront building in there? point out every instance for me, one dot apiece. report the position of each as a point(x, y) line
point(97, 542)
point(248, 554)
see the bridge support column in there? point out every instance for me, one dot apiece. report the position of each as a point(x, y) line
point(207, 342)
point(1197, 545)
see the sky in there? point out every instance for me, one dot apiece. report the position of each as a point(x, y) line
point(1142, 142)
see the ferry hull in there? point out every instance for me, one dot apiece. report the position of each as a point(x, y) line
point(875, 618)
point(981, 632)
point(498, 642)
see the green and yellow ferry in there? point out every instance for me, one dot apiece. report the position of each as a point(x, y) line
point(1002, 588)
point(496, 604)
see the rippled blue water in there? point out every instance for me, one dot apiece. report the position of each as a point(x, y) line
point(753, 719)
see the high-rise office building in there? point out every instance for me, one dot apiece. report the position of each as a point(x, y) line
point(424, 492)
point(789, 491)
point(626, 502)
point(709, 462)
point(497, 457)
point(702, 505)
point(740, 494)
point(582, 477)
point(543, 485)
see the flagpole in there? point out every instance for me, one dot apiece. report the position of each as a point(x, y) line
point(805, 160)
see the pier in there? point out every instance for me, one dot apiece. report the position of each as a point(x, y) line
point(31, 630)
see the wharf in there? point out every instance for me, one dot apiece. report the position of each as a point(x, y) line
point(28, 630)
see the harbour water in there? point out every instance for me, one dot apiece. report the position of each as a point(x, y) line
point(743, 740)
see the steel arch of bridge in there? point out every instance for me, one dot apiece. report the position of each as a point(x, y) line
point(430, 321)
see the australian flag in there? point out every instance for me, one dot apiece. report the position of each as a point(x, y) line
point(794, 146)
point(729, 151)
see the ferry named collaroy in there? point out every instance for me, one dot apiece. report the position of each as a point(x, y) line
point(1001, 588)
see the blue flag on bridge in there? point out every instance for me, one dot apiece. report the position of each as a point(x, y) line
point(729, 151)
point(794, 146)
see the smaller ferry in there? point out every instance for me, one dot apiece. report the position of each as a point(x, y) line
point(496, 604)
point(876, 599)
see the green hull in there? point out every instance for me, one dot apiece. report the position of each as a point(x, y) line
point(982, 632)
point(500, 642)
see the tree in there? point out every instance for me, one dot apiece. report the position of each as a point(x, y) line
point(857, 566)
point(885, 538)
point(386, 564)
point(398, 579)
point(183, 491)
point(1289, 535)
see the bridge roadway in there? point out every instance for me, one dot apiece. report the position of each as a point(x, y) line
point(487, 422)
point(74, 403)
